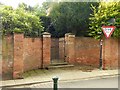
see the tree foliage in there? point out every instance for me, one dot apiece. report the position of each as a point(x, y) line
point(102, 15)
point(70, 17)
point(20, 20)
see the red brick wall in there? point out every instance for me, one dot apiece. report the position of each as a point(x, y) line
point(0, 56)
point(7, 57)
point(71, 49)
point(18, 55)
point(110, 53)
point(119, 52)
point(27, 54)
point(46, 49)
point(66, 47)
point(32, 53)
point(87, 51)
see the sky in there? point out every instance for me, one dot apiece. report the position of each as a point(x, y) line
point(14, 3)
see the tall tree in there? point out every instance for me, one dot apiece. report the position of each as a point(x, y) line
point(18, 20)
point(102, 15)
point(71, 17)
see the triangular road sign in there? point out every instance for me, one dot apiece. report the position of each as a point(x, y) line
point(108, 30)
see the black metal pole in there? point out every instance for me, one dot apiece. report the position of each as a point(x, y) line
point(55, 84)
point(42, 51)
point(100, 54)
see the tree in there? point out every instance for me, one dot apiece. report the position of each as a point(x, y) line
point(26, 7)
point(101, 15)
point(18, 20)
point(42, 12)
point(71, 17)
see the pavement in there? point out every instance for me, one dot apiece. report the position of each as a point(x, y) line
point(44, 75)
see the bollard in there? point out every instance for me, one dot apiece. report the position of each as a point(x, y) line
point(55, 84)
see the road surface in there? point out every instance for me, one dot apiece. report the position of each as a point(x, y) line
point(109, 82)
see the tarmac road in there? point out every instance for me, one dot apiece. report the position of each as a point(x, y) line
point(93, 83)
point(108, 82)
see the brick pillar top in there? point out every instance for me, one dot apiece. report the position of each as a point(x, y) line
point(46, 34)
point(66, 35)
point(71, 35)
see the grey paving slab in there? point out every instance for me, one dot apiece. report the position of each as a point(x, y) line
point(26, 86)
point(11, 82)
point(28, 80)
point(40, 78)
point(3, 83)
point(21, 81)
point(8, 82)
point(18, 86)
point(63, 74)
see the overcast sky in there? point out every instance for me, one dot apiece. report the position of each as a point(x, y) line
point(14, 3)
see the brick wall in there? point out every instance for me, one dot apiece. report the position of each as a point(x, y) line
point(46, 49)
point(87, 51)
point(0, 56)
point(21, 54)
point(110, 53)
point(18, 55)
point(71, 58)
point(119, 52)
point(32, 54)
point(7, 57)
point(66, 46)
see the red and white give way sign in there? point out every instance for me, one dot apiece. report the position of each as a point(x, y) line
point(108, 30)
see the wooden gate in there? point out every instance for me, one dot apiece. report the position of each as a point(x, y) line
point(57, 50)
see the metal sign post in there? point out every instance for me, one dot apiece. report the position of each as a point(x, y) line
point(101, 54)
point(107, 30)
